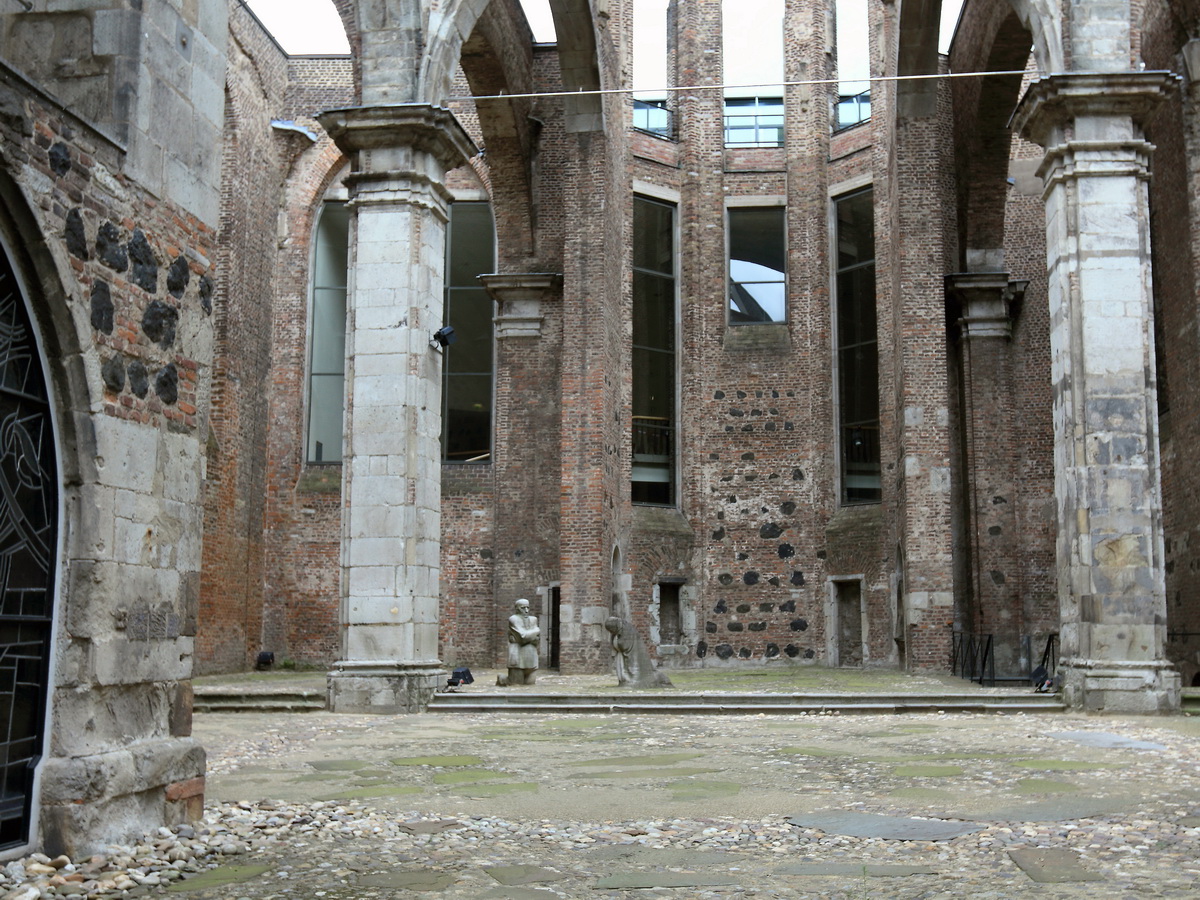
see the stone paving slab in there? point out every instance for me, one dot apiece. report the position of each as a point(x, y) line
point(868, 870)
point(643, 880)
point(891, 828)
point(1053, 866)
point(1103, 739)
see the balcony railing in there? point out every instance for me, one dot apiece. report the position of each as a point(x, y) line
point(853, 108)
point(753, 122)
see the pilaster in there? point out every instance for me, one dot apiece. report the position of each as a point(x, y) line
point(391, 523)
point(1107, 478)
point(991, 597)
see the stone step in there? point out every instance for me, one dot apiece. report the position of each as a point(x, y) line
point(773, 704)
point(216, 700)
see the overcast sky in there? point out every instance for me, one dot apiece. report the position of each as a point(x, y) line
point(312, 26)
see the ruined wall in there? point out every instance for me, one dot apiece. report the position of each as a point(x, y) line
point(116, 218)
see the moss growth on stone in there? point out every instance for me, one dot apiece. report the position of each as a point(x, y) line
point(1044, 786)
point(663, 759)
point(927, 771)
point(496, 790)
point(219, 877)
point(468, 776)
point(1062, 765)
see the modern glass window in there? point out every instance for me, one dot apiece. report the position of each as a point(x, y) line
point(857, 348)
point(753, 121)
point(654, 362)
point(327, 337)
point(757, 265)
point(468, 362)
point(853, 63)
point(752, 56)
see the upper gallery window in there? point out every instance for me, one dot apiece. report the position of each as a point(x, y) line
point(752, 60)
point(853, 63)
point(757, 265)
point(327, 337)
point(467, 364)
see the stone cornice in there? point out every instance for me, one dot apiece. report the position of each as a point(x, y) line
point(519, 297)
point(1055, 100)
point(987, 300)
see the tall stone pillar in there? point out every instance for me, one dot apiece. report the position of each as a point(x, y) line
point(391, 481)
point(1110, 539)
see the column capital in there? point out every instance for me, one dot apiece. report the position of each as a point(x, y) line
point(518, 297)
point(421, 126)
point(987, 300)
point(1054, 102)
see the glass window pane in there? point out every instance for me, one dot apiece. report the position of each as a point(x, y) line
point(328, 331)
point(325, 411)
point(757, 265)
point(468, 417)
point(654, 385)
point(653, 239)
point(470, 314)
point(333, 238)
point(653, 311)
point(471, 241)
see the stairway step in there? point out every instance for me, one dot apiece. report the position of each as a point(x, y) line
point(214, 700)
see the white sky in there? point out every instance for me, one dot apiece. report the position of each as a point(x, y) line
point(312, 26)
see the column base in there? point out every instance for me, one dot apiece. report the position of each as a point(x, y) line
point(1120, 686)
point(382, 686)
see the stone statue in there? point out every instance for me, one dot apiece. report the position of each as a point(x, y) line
point(630, 656)
point(523, 635)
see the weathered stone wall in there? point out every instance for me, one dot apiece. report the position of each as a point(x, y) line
point(117, 221)
point(253, 154)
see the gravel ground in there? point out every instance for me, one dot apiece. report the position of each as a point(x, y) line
point(509, 806)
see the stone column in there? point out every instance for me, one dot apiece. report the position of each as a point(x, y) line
point(1106, 455)
point(985, 301)
point(391, 481)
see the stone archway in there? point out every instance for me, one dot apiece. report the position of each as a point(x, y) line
point(29, 514)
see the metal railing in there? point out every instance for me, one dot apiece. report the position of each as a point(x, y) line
point(971, 658)
point(852, 109)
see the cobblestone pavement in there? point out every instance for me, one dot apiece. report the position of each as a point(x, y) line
point(613, 806)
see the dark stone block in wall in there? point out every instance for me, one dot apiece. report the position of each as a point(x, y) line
point(724, 651)
point(166, 385)
point(718, 395)
point(995, 530)
point(786, 551)
point(139, 380)
point(773, 581)
point(772, 651)
point(206, 292)
point(159, 323)
point(735, 626)
point(748, 456)
point(60, 159)
point(145, 266)
point(797, 474)
point(757, 626)
point(76, 236)
point(789, 606)
point(742, 556)
point(719, 534)
point(821, 554)
point(710, 627)
point(799, 625)
point(720, 607)
point(108, 247)
point(744, 653)
point(810, 653)
point(997, 576)
point(787, 508)
point(702, 649)
point(486, 554)
point(725, 578)
point(766, 607)
point(792, 650)
point(113, 373)
point(743, 607)
point(736, 412)
point(178, 277)
point(102, 307)
point(750, 578)
point(741, 395)
point(770, 531)
point(797, 578)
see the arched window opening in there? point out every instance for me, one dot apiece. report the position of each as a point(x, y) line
point(327, 337)
point(28, 542)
